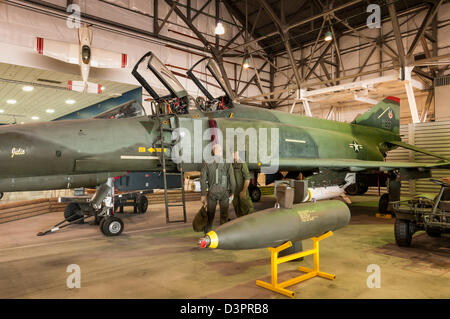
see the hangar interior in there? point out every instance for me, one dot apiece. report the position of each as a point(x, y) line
point(322, 59)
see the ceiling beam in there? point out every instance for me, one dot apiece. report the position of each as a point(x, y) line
point(398, 39)
point(213, 50)
point(242, 19)
point(425, 23)
point(299, 23)
point(285, 37)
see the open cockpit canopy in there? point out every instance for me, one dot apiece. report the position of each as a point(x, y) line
point(149, 70)
point(217, 81)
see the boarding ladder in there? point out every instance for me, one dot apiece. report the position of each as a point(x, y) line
point(167, 123)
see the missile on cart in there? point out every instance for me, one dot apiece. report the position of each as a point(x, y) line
point(273, 227)
point(320, 193)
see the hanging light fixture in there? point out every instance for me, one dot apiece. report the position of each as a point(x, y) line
point(219, 28)
point(245, 65)
point(328, 36)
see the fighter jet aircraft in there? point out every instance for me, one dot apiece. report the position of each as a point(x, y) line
point(83, 54)
point(51, 155)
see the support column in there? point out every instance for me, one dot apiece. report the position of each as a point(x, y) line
point(410, 93)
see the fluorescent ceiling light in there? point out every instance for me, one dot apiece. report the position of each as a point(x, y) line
point(35, 118)
point(2, 111)
point(27, 88)
point(50, 111)
point(11, 101)
point(70, 102)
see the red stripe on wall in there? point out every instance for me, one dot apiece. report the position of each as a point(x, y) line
point(40, 45)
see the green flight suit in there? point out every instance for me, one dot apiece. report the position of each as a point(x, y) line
point(219, 179)
point(242, 206)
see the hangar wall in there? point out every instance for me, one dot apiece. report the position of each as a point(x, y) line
point(442, 93)
point(432, 136)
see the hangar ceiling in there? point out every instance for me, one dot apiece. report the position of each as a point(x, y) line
point(49, 93)
point(283, 40)
point(303, 18)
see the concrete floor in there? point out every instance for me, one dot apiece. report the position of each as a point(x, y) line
point(153, 260)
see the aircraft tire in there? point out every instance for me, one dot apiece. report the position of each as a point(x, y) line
point(98, 219)
point(255, 194)
point(383, 204)
point(402, 231)
point(142, 204)
point(111, 226)
point(100, 223)
point(362, 188)
point(73, 212)
point(1, 195)
point(352, 189)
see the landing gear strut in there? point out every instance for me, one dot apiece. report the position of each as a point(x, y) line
point(101, 207)
point(103, 202)
point(393, 195)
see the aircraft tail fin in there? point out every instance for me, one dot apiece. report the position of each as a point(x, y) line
point(384, 115)
point(84, 87)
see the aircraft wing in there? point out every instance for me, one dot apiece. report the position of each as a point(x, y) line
point(417, 149)
point(354, 164)
point(63, 51)
point(108, 59)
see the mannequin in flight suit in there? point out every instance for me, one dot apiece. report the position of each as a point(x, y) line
point(218, 177)
point(242, 203)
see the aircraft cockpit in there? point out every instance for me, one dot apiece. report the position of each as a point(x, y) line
point(171, 98)
point(211, 103)
point(126, 110)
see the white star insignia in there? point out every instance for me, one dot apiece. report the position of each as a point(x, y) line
point(357, 147)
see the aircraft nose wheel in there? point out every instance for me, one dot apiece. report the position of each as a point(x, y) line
point(111, 226)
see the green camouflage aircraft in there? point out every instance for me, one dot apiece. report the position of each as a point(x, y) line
point(74, 153)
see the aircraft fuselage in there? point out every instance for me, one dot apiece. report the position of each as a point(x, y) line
point(96, 146)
